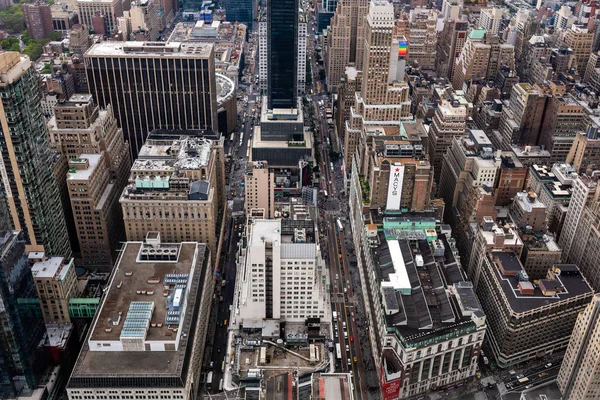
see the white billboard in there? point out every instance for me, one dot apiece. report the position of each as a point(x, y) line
point(395, 187)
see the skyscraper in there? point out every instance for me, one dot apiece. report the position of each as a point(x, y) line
point(580, 370)
point(155, 85)
point(20, 333)
point(282, 53)
point(346, 39)
point(26, 165)
point(38, 19)
point(176, 187)
point(239, 10)
point(78, 128)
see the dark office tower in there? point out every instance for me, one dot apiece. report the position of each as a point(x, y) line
point(154, 85)
point(282, 49)
point(239, 10)
point(21, 328)
point(28, 181)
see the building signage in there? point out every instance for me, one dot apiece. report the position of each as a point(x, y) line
point(395, 187)
point(389, 390)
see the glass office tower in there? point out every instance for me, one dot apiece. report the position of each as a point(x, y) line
point(282, 49)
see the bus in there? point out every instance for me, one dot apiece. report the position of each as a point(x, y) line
point(221, 385)
point(209, 378)
point(524, 379)
point(339, 224)
point(331, 166)
point(338, 351)
point(325, 193)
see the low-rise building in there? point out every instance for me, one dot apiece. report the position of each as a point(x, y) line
point(148, 334)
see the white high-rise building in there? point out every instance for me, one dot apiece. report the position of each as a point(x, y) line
point(302, 34)
point(282, 275)
point(262, 56)
point(579, 374)
point(564, 18)
point(490, 20)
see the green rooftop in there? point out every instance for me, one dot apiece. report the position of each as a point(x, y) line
point(477, 34)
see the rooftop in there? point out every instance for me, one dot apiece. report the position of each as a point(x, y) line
point(84, 169)
point(524, 295)
point(331, 387)
point(184, 153)
point(225, 88)
point(150, 49)
point(420, 295)
point(160, 280)
point(528, 201)
point(57, 335)
point(52, 267)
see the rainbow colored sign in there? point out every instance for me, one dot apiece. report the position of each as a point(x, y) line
point(402, 47)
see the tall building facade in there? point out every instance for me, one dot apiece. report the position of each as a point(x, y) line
point(522, 118)
point(449, 120)
point(105, 12)
point(260, 190)
point(579, 375)
point(346, 39)
point(581, 41)
point(301, 68)
point(383, 100)
point(99, 162)
point(56, 282)
point(263, 64)
point(563, 122)
point(239, 10)
point(490, 20)
point(176, 187)
point(276, 252)
point(580, 230)
point(423, 38)
point(38, 19)
point(93, 191)
point(21, 332)
point(28, 178)
point(154, 85)
point(449, 45)
point(282, 53)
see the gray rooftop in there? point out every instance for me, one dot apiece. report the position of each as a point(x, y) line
point(99, 368)
point(509, 272)
point(150, 49)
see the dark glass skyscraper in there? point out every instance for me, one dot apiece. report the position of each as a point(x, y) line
point(282, 50)
point(239, 10)
point(21, 322)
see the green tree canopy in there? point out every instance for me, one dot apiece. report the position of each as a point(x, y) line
point(13, 18)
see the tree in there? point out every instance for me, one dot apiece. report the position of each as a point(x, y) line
point(13, 19)
point(322, 74)
point(33, 50)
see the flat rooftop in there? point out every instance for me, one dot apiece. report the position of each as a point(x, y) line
point(331, 387)
point(150, 49)
point(97, 367)
point(131, 276)
point(84, 174)
point(277, 144)
point(52, 267)
point(572, 282)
